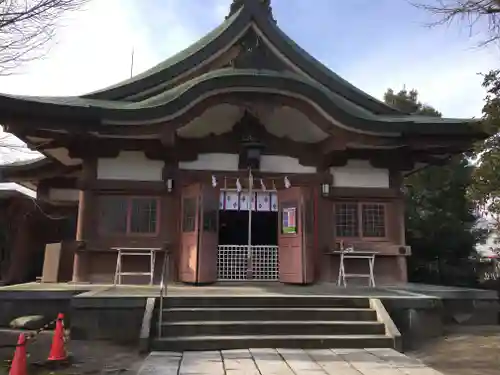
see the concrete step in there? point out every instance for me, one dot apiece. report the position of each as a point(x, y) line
point(268, 313)
point(265, 301)
point(238, 328)
point(272, 341)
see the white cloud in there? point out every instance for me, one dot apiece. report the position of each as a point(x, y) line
point(449, 80)
point(94, 46)
point(93, 50)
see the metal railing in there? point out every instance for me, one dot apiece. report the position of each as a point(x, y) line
point(163, 290)
point(243, 262)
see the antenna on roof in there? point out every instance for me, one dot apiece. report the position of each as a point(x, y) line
point(132, 63)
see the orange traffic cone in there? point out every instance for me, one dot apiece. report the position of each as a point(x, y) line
point(58, 349)
point(19, 366)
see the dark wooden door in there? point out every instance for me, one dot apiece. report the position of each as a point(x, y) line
point(309, 233)
point(190, 202)
point(208, 235)
point(199, 234)
point(296, 235)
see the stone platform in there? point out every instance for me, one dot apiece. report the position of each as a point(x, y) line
point(101, 311)
point(285, 362)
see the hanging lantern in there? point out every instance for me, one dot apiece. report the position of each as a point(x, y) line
point(325, 190)
point(287, 183)
point(214, 181)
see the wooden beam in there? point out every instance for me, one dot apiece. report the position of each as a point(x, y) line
point(59, 183)
point(332, 144)
point(168, 136)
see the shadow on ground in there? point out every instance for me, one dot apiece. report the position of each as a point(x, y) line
point(88, 357)
point(464, 351)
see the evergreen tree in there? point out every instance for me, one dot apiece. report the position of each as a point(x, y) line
point(440, 217)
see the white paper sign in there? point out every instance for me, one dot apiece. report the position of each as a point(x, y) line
point(263, 201)
point(222, 200)
point(274, 202)
point(231, 201)
point(243, 201)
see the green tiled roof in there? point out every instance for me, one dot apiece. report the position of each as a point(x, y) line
point(169, 102)
point(150, 97)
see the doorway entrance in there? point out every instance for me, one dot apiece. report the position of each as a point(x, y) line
point(248, 236)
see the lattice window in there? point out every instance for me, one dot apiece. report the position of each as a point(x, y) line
point(210, 214)
point(143, 215)
point(188, 215)
point(234, 264)
point(128, 215)
point(373, 220)
point(265, 263)
point(113, 214)
point(346, 220)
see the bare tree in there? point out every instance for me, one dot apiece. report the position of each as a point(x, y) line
point(473, 12)
point(26, 26)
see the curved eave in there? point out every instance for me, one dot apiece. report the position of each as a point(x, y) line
point(178, 64)
point(12, 189)
point(27, 165)
point(221, 37)
point(154, 112)
point(318, 71)
point(33, 170)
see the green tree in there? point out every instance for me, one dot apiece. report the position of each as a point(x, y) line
point(440, 218)
point(485, 187)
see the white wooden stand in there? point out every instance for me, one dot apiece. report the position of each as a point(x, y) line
point(369, 256)
point(135, 251)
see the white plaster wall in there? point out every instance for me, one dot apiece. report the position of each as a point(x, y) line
point(359, 173)
point(130, 165)
point(64, 195)
point(212, 162)
point(283, 164)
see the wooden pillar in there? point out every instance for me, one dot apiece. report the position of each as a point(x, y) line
point(85, 223)
point(398, 212)
point(80, 261)
point(396, 182)
point(21, 240)
point(325, 229)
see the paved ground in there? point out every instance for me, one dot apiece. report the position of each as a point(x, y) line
point(463, 351)
point(407, 290)
point(285, 362)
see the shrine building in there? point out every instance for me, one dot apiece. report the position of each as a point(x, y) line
point(242, 157)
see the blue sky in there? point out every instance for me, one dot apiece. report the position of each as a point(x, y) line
point(373, 44)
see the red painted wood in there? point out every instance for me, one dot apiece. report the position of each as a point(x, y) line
point(189, 239)
point(309, 233)
point(209, 235)
point(296, 250)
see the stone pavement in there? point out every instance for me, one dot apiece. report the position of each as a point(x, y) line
point(285, 362)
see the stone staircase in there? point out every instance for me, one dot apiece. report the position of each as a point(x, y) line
point(236, 322)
